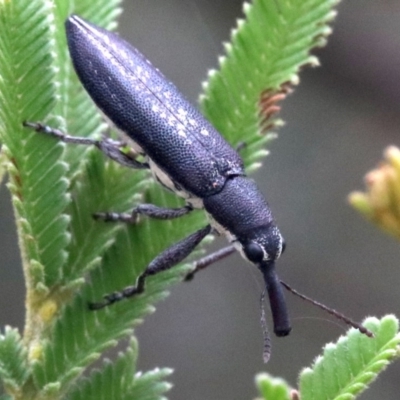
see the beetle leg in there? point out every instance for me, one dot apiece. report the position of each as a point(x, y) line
point(110, 148)
point(150, 210)
point(164, 261)
point(210, 259)
point(240, 146)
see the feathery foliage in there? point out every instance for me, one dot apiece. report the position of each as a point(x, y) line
point(272, 388)
point(261, 64)
point(68, 258)
point(114, 381)
point(345, 369)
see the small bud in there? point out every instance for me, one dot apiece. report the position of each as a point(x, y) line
point(48, 310)
point(381, 202)
point(35, 352)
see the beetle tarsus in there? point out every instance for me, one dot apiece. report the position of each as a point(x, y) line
point(129, 218)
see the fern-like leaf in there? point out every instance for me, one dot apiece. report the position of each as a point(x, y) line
point(119, 380)
point(272, 388)
point(261, 64)
point(123, 258)
point(14, 368)
point(35, 167)
point(348, 366)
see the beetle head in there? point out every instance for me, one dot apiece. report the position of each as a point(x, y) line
point(263, 245)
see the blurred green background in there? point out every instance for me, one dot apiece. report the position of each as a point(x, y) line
point(338, 122)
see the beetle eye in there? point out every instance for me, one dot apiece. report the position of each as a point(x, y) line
point(254, 252)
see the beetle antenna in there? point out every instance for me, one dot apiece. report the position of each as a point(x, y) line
point(264, 326)
point(330, 311)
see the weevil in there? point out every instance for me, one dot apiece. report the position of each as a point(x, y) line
point(184, 153)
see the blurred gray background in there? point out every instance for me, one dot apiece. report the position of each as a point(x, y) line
point(338, 122)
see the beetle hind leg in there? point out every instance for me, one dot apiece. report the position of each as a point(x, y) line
point(109, 147)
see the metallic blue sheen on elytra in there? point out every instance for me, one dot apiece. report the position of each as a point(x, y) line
point(142, 103)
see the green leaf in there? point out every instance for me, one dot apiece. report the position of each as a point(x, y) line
point(346, 368)
point(272, 388)
point(261, 63)
point(14, 368)
point(123, 258)
point(119, 380)
point(27, 92)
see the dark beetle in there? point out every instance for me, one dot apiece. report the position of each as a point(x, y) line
point(184, 152)
point(186, 155)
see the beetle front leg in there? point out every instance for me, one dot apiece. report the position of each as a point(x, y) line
point(149, 210)
point(164, 261)
point(210, 259)
point(109, 147)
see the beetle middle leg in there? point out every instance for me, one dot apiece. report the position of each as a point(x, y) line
point(150, 210)
point(109, 147)
point(164, 261)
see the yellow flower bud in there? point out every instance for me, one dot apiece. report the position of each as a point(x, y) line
point(381, 202)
